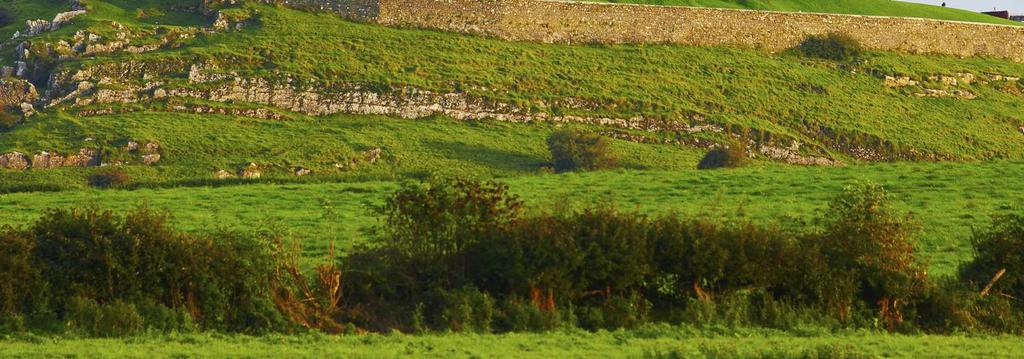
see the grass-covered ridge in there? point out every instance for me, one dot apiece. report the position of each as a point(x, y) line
point(852, 7)
point(831, 109)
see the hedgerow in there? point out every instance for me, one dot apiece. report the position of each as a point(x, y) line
point(464, 255)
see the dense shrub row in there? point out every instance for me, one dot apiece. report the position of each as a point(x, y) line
point(460, 255)
point(463, 255)
point(102, 274)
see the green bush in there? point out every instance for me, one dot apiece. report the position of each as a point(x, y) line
point(116, 319)
point(997, 248)
point(573, 150)
point(110, 178)
point(614, 268)
point(517, 315)
point(724, 157)
point(869, 250)
point(833, 46)
point(956, 307)
point(222, 280)
point(468, 310)
point(22, 292)
point(8, 120)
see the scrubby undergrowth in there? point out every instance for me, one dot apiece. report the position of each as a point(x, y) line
point(463, 255)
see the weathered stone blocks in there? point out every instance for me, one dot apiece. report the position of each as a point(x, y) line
point(582, 22)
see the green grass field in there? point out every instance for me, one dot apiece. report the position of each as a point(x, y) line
point(821, 104)
point(949, 199)
point(856, 7)
point(652, 342)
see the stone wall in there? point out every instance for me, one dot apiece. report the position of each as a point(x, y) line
point(576, 22)
point(361, 10)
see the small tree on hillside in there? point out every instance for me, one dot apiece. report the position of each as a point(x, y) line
point(574, 150)
point(725, 157)
point(870, 249)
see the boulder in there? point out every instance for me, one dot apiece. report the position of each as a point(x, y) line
point(373, 155)
point(132, 146)
point(14, 92)
point(64, 18)
point(14, 161)
point(151, 159)
point(151, 148)
point(250, 171)
point(35, 27)
point(222, 174)
point(46, 160)
point(299, 172)
point(86, 157)
point(22, 69)
point(27, 109)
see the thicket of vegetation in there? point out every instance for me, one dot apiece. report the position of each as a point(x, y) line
point(573, 150)
point(94, 273)
point(463, 255)
point(724, 157)
point(833, 46)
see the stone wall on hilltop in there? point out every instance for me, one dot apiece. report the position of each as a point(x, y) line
point(578, 22)
point(360, 10)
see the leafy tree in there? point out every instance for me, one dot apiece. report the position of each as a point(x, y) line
point(573, 150)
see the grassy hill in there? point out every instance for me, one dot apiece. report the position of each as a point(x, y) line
point(943, 134)
point(854, 7)
point(774, 99)
point(831, 109)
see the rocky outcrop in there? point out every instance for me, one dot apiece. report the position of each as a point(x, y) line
point(290, 94)
point(16, 92)
point(368, 157)
point(251, 170)
point(36, 27)
point(14, 161)
point(945, 85)
point(792, 155)
point(222, 174)
point(85, 157)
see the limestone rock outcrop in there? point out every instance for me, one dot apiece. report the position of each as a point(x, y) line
point(14, 161)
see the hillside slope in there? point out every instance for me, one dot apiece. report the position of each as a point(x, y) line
point(179, 75)
point(853, 7)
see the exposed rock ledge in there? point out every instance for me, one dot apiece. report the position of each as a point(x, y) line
point(85, 157)
point(407, 102)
